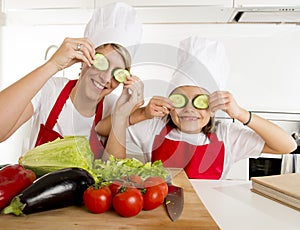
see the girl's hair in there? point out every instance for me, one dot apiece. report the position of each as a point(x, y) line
point(122, 51)
point(209, 128)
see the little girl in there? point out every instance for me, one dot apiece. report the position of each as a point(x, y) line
point(183, 132)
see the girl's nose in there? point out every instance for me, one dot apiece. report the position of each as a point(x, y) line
point(189, 106)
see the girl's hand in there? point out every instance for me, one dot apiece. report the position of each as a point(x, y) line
point(158, 107)
point(71, 51)
point(224, 100)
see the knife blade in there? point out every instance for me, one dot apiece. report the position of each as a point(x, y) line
point(174, 202)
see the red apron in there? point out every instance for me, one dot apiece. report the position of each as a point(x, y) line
point(199, 162)
point(47, 133)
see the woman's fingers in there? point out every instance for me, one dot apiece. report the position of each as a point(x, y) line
point(73, 50)
point(85, 47)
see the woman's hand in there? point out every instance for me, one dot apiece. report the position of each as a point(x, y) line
point(131, 98)
point(71, 51)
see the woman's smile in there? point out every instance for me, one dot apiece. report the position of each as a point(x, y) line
point(98, 85)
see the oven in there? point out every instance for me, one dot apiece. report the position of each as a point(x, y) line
point(271, 164)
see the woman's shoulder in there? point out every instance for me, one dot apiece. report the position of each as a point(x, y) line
point(57, 82)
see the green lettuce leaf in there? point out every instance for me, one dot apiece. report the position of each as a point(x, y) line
point(71, 151)
point(116, 168)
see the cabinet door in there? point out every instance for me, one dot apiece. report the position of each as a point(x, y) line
point(46, 4)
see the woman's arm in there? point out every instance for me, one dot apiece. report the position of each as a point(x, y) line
point(16, 99)
point(132, 95)
point(277, 141)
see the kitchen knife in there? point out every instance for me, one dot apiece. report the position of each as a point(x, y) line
point(174, 202)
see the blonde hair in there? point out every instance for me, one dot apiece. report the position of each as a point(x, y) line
point(122, 51)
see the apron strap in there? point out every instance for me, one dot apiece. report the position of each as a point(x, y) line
point(95, 144)
point(60, 102)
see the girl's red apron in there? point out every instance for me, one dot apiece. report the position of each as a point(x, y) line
point(199, 162)
point(47, 133)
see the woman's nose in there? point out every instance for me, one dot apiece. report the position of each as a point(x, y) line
point(107, 77)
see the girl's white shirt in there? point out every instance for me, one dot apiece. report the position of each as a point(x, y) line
point(70, 121)
point(240, 142)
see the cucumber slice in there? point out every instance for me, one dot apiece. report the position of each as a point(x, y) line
point(179, 100)
point(201, 101)
point(120, 74)
point(101, 62)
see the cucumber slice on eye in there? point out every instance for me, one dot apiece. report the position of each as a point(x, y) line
point(201, 101)
point(120, 74)
point(179, 100)
point(101, 62)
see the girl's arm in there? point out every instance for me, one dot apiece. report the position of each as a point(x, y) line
point(277, 141)
point(157, 107)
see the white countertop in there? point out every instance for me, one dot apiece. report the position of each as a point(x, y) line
point(234, 206)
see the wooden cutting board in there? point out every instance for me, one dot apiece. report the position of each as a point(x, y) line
point(194, 216)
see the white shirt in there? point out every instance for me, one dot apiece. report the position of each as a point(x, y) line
point(70, 121)
point(240, 142)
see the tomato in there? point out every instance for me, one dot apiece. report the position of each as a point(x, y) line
point(153, 197)
point(157, 181)
point(97, 199)
point(128, 203)
point(115, 187)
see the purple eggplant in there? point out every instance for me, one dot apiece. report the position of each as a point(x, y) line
point(54, 190)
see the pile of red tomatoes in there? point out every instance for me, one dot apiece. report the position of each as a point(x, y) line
point(128, 197)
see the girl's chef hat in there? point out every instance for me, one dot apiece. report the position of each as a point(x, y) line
point(201, 62)
point(115, 23)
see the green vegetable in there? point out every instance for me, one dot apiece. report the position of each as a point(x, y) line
point(201, 101)
point(120, 74)
point(101, 62)
point(179, 100)
point(71, 151)
point(116, 168)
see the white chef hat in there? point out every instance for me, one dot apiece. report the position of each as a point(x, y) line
point(201, 62)
point(115, 23)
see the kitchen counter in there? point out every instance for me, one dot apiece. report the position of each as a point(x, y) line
point(224, 204)
point(234, 206)
point(194, 216)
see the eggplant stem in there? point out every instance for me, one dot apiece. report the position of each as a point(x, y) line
point(16, 207)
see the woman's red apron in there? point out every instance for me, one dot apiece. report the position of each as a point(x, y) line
point(47, 133)
point(199, 162)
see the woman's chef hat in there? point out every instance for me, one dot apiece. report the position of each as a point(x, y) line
point(201, 62)
point(115, 23)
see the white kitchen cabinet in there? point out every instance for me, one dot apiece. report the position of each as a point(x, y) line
point(46, 4)
point(33, 13)
point(156, 3)
point(178, 11)
point(266, 3)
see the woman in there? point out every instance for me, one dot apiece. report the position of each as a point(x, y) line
point(60, 107)
point(183, 132)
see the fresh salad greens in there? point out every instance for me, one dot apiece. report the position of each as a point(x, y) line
point(116, 168)
point(71, 151)
point(74, 151)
